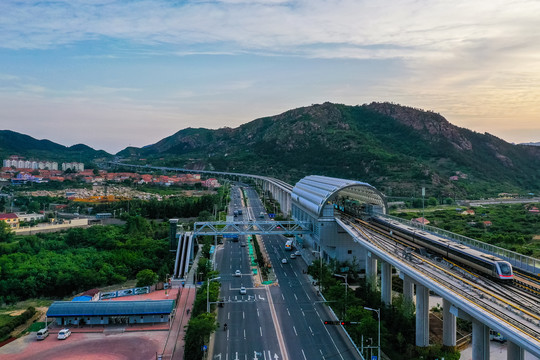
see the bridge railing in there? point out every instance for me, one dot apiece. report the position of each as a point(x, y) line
point(252, 228)
point(519, 261)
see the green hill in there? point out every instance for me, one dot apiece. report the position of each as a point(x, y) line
point(13, 143)
point(396, 148)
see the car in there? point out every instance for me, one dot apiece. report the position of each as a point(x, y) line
point(243, 244)
point(42, 334)
point(297, 253)
point(64, 334)
point(293, 256)
point(283, 261)
point(237, 273)
point(243, 291)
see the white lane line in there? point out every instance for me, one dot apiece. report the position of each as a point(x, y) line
point(295, 331)
point(303, 312)
point(260, 330)
point(296, 297)
point(243, 315)
point(283, 297)
point(311, 331)
point(269, 355)
point(244, 334)
point(305, 358)
point(284, 273)
point(258, 312)
point(322, 356)
point(229, 315)
point(279, 333)
point(333, 342)
point(288, 312)
point(307, 295)
point(295, 274)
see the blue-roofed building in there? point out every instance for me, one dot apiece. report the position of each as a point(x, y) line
point(110, 312)
point(82, 298)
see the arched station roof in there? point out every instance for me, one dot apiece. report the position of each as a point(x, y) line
point(314, 191)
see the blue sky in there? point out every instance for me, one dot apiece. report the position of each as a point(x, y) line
point(114, 73)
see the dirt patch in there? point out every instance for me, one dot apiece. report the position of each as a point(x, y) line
point(435, 329)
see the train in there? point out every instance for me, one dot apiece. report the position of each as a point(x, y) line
point(481, 262)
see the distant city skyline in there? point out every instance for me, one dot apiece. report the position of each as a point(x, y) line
point(118, 73)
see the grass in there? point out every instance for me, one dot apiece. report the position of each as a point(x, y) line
point(23, 305)
point(4, 319)
point(38, 325)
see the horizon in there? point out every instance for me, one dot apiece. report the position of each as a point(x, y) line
point(147, 69)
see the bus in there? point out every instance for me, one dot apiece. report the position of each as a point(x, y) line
point(288, 245)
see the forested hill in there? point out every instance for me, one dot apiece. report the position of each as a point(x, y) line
point(396, 148)
point(13, 143)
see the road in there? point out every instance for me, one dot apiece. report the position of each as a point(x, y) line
point(272, 322)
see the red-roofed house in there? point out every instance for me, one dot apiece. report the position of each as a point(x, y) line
point(11, 219)
point(421, 220)
point(487, 223)
point(534, 209)
point(468, 212)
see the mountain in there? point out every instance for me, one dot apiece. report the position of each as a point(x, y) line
point(531, 143)
point(13, 143)
point(396, 148)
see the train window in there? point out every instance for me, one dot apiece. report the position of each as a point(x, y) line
point(505, 268)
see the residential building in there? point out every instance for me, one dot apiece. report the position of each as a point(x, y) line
point(11, 219)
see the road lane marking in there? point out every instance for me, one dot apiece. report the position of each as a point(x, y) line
point(311, 330)
point(229, 315)
point(295, 331)
point(283, 297)
point(303, 312)
point(305, 358)
point(279, 333)
point(288, 312)
point(322, 354)
point(258, 312)
point(243, 315)
point(244, 334)
point(296, 297)
point(260, 330)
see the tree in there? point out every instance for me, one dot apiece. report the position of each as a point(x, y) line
point(5, 232)
point(146, 277)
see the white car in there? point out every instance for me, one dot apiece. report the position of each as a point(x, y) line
point(293, 256)
point(283, 261)
point(64, 334)
point(243, 291)
point(237, 273)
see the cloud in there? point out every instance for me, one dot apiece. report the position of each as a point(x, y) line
point(391, 28)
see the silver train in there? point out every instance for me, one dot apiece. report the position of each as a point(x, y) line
point(487, 264)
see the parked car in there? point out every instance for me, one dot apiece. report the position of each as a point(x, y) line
point(42, 334)
point(243, 291)
point(64, 334)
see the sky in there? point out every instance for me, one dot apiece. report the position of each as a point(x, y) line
point(118, 73)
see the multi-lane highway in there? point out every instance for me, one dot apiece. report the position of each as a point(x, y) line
point(272, 322)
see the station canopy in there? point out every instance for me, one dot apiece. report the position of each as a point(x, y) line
point(110, 308)
point(314, 192)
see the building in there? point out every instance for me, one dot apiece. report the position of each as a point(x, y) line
point(11, 219)
point(75, 166)
point(421, 220)
point(30, 217)
point(110, 312)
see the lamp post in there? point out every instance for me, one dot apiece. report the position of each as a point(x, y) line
point(208, 292)
point(378, 311)
point(346, 286)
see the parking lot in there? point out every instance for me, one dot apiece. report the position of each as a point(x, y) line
point(87, 346)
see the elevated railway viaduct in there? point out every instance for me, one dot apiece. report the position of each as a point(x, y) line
point(311, 204)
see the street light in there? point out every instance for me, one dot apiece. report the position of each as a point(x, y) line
point(378, 311)
point(208, 292)
point(346, 286)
